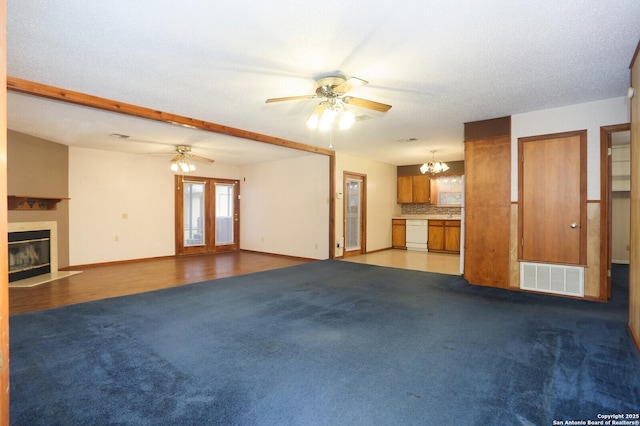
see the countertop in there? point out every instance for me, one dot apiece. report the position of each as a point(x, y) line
point(428, 217)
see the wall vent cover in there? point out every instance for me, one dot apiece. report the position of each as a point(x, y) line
point(557, 279)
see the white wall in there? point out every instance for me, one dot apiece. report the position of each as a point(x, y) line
point(122, 205)
point(590, 116)
point(381, 199)
point(284, 207)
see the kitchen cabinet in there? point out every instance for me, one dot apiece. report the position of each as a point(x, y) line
point(414, 189)
point(405, 189)
point(398, 233)
point(444, 236)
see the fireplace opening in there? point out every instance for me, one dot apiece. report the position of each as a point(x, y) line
point(29, 254)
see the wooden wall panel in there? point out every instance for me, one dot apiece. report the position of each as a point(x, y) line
point(488, 211)
point(4, 256)
point(634, 255)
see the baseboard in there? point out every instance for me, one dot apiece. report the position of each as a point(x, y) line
point(115, 262)
point(285, 256)
point(379, 250)
point(145, 259)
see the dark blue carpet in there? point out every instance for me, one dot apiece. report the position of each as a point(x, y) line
point(326, 343)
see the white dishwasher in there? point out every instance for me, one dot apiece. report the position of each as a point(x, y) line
point(417, 234)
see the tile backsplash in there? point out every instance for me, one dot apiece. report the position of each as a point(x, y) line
point(428, 209)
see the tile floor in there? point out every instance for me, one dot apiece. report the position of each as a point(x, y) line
point(443, 263)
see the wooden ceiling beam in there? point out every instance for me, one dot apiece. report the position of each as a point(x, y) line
point(51, 92)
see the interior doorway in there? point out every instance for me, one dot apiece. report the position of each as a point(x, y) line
point(207, 215)
point(355, 224)
point(615, 184)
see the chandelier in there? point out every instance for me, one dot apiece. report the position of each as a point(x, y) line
point(433, 167)
point(327, 112)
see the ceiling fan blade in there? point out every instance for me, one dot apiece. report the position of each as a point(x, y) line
point(290, 98)
point(350, 84)
point(364, 103)
point(200, 159)
point(176, 158)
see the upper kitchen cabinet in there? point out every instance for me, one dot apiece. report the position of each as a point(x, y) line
point(405, 190)
point(415, 187)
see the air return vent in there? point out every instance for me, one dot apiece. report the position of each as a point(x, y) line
point(557, 279)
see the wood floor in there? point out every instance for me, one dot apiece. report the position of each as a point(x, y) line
point(121, 279)
point(101, 282)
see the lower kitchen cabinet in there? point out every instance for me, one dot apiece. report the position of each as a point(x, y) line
point(398, 233)
point(444, 236)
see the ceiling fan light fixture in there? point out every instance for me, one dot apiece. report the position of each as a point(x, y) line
point(314, 118)
point(346, 120)
point(326, 119)
point(182, 165)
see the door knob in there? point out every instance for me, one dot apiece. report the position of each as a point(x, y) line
point(574, 225)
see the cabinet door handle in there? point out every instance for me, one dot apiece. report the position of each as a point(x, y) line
point(574, 225)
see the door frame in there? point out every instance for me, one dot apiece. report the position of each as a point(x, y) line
point(363, 213)
point(210, 245)
point(606, 206)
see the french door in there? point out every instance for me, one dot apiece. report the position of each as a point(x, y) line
point(207, 215)
point(354, 214)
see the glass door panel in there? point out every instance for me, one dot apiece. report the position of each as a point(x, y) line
point(194, 218)
point(224, 214)
point(353, 215)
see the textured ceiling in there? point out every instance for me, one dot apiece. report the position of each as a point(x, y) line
point(439, 63)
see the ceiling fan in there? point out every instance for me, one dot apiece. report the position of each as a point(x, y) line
point(333, 89)
point(182, 161)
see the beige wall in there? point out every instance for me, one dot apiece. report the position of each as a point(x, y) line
point(381, 199)
point(284, 207)
point(37, 167)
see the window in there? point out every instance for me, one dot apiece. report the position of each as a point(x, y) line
point(448, 191)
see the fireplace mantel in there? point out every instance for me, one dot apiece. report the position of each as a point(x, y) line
point(27, 202)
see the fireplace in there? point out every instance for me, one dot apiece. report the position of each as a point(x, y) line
point(29, 254)
point(33, 253)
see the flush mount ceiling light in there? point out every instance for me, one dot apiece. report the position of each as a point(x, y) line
point(433, 167)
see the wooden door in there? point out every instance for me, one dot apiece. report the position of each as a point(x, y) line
point(552, 194)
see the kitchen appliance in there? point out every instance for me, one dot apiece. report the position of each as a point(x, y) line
point(417, 234)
